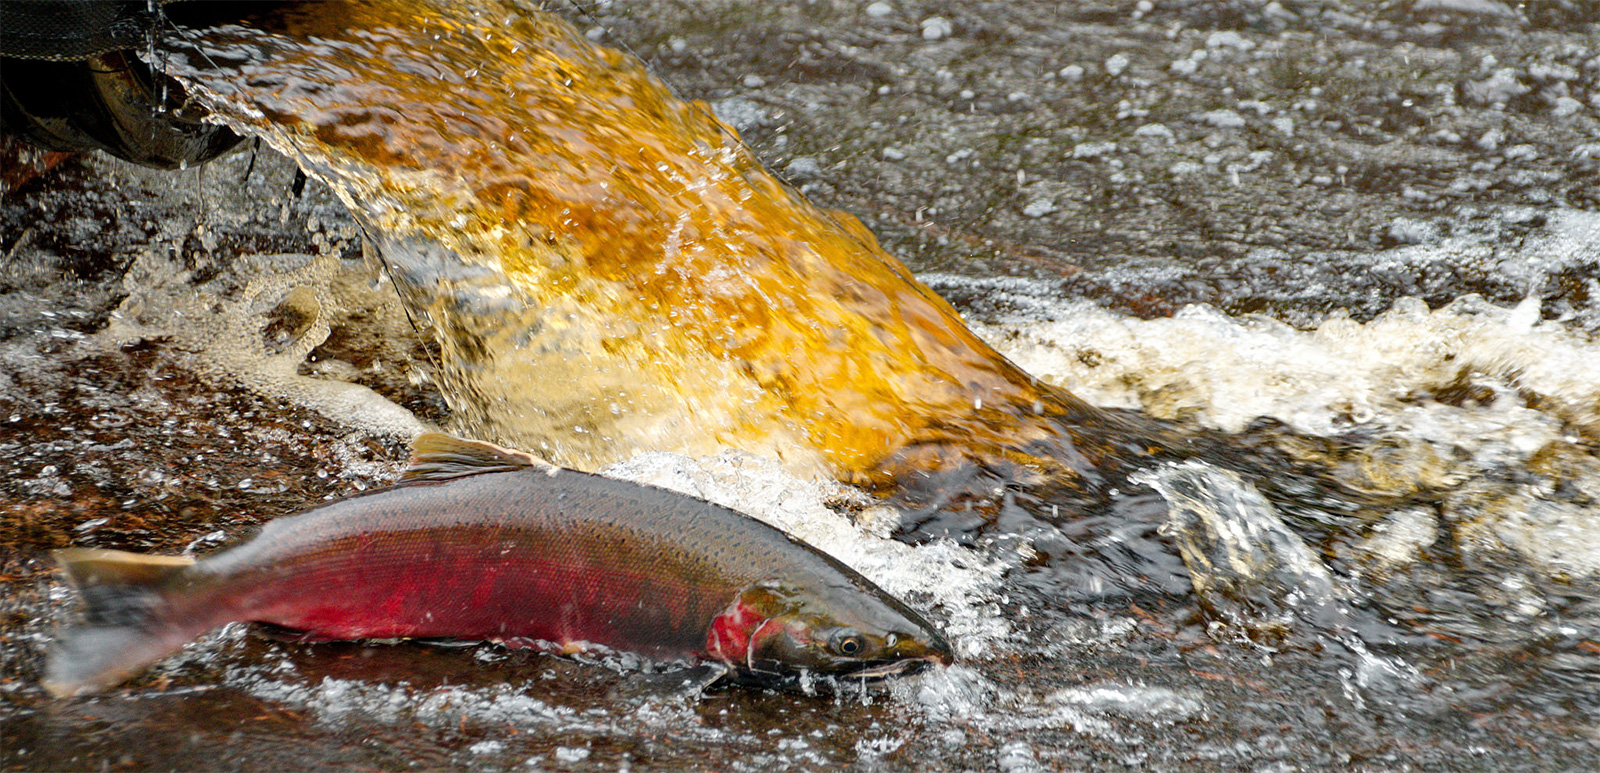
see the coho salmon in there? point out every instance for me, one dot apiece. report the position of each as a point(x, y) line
point(479, 542)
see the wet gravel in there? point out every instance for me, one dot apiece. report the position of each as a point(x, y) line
point(1154, 154)
point(1142, 155)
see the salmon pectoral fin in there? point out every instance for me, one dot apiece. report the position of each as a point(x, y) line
point(275, 632)
point(126, 623)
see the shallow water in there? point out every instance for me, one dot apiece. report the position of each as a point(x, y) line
point(1204, 620)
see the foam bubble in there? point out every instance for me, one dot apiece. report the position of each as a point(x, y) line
point(1226, 371)
point(254, 324)
point(1138, 702)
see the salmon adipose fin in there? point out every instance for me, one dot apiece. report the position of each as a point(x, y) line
point(437, 457)
point(125, 625)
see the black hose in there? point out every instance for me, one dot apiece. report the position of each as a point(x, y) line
point(70, 81)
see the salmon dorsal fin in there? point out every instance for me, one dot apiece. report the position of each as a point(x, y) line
point(437, 457)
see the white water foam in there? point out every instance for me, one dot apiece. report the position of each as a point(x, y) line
point(1458, 401)
point(1225, 371)
point(510, 705)
point(1445, 399)
point(1156, 705)
point(222, 324)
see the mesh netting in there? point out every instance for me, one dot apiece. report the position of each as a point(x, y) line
point(69, 30)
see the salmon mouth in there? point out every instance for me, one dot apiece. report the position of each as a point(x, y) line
point(902, 667)
point(808, 681)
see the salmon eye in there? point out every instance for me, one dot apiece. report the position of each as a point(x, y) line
point(846, 642)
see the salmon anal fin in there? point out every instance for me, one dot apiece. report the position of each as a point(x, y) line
point(439, 457)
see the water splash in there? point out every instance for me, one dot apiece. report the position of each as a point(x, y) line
point(1247, 566)
point(606, 268)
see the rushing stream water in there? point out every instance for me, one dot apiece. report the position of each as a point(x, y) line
point(1381, 550)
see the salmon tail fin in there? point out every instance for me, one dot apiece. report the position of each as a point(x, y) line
point(125, 624)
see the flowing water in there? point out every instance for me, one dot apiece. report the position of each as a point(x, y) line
point(608, 268)
point(1351, 543)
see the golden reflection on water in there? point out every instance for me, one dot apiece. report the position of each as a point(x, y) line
point(607, 268)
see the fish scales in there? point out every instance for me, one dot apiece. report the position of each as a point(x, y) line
point(631, 558)
point(484, 543)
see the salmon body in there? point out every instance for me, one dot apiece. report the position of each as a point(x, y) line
point(481, 543)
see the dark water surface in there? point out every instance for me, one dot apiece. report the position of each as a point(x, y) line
point(1447, 619)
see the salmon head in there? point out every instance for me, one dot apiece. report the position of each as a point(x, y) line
point(776, 630)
